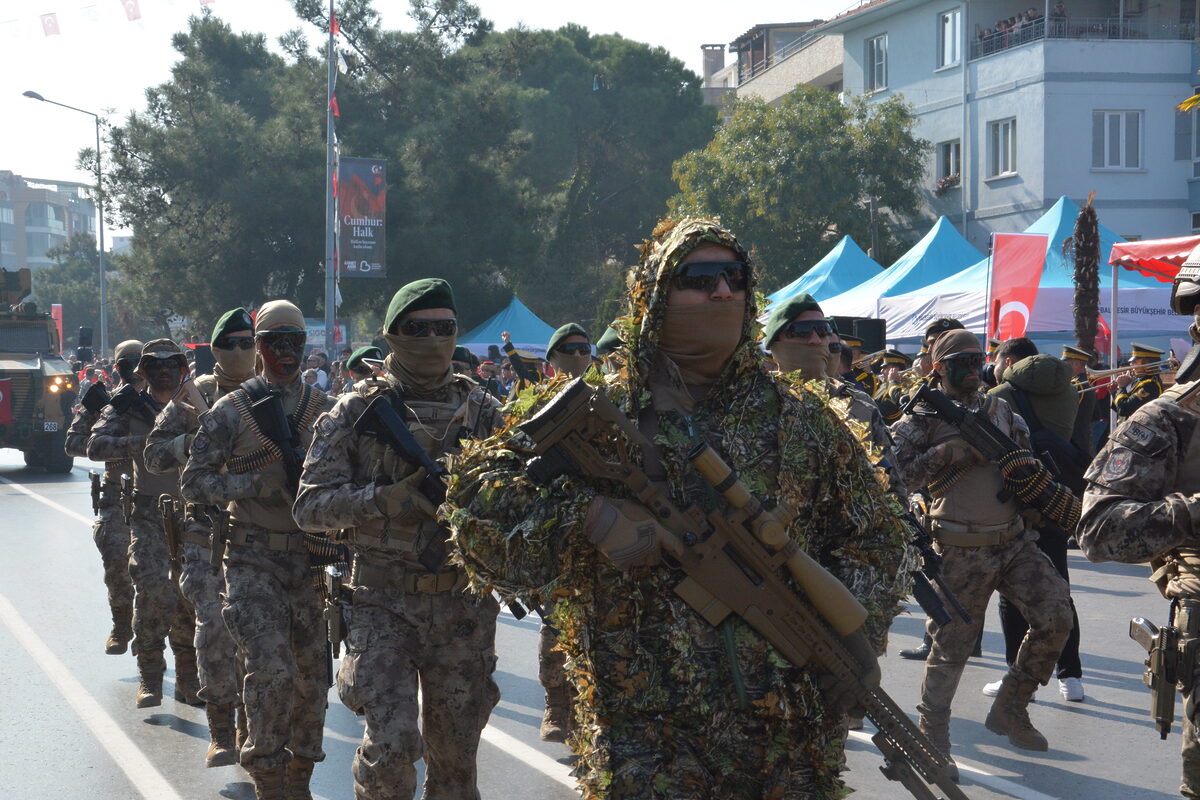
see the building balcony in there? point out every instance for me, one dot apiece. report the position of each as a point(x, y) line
point(991, 40)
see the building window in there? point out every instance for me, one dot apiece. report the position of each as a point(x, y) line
point(1195, 222)
point(875, 70)
point(1116, 139)
point(949, 159)
point(6, 214)
point(1002, 147)
point(949, 38)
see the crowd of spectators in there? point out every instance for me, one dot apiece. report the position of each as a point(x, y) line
point(1025, 26)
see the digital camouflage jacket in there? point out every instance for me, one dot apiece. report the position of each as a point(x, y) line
point(669, 706)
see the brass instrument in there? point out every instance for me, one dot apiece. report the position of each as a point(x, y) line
point(1094, 375)
point(863, 361)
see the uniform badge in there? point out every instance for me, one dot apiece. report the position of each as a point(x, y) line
point(208, 422)
point(1137, 433)
point(1118, 463)
point(326, 426)
point(318, 450)
point(200, 443)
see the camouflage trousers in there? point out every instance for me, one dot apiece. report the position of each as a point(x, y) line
point(159, 611)
point(1191, 732)
point(273, 613)
point(216, 657)
point(111, 535)
point(443, 642)
point(1030, 582)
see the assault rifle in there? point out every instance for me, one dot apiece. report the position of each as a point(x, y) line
point(127, 497)
point(273, 422)
point(95, 479)
point(336, 602)
point(172, 521)
point(1170, 656)
point(1024, 476)
point(220, 534)
point(733, 564)
point(127, 399)
point(930, 576)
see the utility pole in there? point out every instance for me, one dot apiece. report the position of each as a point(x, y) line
point(330, 200)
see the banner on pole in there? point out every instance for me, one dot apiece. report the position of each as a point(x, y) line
point(1017, 263)
point(362, 209)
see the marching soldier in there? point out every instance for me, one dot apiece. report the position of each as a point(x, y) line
point(246, 456)
point(668, 703)
point(1143, 504)
point(570, 350)
point(411, 622)
point(110, 531)
point(1132, 395)
point(201, 581)
point(158, 610)
point(984, 547)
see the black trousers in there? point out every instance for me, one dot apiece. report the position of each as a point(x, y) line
point(1052, 541)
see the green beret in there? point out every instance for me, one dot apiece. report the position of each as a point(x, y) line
point(570, 329)
point(417, 296)
point(366, 351)
point(464, 355)
point(787, 311)
point(608, 342)
point(231, 322)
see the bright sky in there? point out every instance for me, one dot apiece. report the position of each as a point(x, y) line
point(102, 62)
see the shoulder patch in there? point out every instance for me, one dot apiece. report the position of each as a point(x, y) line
point(209, 422)
point(1139, 437)
point(1139, 434)
point(200, 443)
point(1117, 465)
point(327, 425)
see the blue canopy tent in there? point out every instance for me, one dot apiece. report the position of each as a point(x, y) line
point(842, 268)
point(940, 253)
point(527, 331)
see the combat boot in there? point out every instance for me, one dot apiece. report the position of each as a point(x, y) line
point(122, 631)
point(270, 783)
point(556, 720)
point(221, 751)
point(187, 683)
point(299, 773)
point(150, 678)
point(937, 729)
point(1010, 713)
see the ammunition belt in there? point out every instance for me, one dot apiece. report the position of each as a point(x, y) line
point(279, 541)
point(960, 534)
point(373, 577)
point(256, 461)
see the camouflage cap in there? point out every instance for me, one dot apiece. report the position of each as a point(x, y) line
point(232, 321)
point(162, 348)
point(130, 348)
point(417, 296)
point(785, 312)
point(570, 329)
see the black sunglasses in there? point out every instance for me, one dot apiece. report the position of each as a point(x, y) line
point(575, 349)
point(705, 275)
point(801, 329)
point(282, 341)
point(428, 327)
point(156, 365)
point(239, 343)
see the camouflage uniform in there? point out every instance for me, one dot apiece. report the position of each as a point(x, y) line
point(159, 611)
point(669, 706)
point(271, 607)
point(1013, 565)
point(407, 626)
point(110, 533)
point(1141, 505)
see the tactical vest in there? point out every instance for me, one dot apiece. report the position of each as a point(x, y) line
point(972, 499)
point(435, 428)
point(141, 422)
point(209, 389)
point(1178, 573)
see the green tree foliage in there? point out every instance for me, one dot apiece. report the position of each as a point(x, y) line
point(791, 178)
point(74, 281)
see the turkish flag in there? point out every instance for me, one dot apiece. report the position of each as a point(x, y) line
point(1103, 341)
point(1016, 274)
point(132, 11)
point(50, 24)
point(5, 401)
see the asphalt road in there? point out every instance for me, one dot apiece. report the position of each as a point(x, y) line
point(70, 729)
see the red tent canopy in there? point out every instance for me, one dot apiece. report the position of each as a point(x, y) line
point(1158, 258)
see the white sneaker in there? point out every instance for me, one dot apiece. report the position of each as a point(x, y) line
point(993, 689)
point(1071, 689)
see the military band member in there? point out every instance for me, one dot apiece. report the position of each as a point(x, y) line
point(159, 612)
point(201, 583)
point(858, 374)
point(241, 460)
point(110, 531)
point(1081, 435)
point(1140, 385)
point(896, 381)
point(411, 625)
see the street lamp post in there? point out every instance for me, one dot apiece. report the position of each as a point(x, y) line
point(100, 206)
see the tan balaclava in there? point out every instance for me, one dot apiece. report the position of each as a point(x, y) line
point(234, 366)
point(420, 363)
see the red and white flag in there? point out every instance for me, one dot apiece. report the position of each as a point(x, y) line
point(132, 11)
point(6, 401)
point(207, 2)
point(50, 24)
point(1103, 341)
point(1017, 263)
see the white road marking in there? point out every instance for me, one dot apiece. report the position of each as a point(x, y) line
point(148, 781)
point(994, 782)
point(48, 502)
point(116, 742)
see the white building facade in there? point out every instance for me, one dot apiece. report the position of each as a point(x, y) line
point(1026, 104)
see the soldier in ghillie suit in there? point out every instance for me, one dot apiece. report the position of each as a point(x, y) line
point(200, 581)
point(668, 705)
point(411, 623)
point(110, 531)
point(1142, 504)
